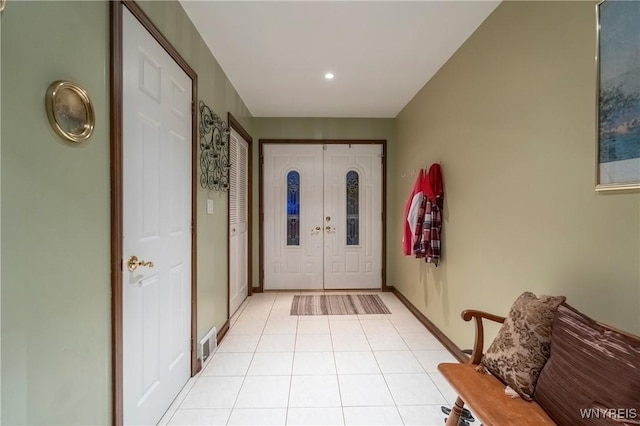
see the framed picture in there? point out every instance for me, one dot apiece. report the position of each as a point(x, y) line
point(70, 111)
point(618, 62)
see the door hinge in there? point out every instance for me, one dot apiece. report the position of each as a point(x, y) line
point(193, 107)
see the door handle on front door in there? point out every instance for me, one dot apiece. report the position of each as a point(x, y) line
point(330, 228)
point(133, 263)
point(316, 230)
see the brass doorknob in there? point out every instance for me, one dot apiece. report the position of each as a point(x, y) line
point(133, 263)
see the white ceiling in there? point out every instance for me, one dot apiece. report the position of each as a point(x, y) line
point(381, 52)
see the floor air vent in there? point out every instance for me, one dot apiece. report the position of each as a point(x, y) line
point(208, 345)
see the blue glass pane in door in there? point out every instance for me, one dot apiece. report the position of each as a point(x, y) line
point(353, 208)
point(293, 208)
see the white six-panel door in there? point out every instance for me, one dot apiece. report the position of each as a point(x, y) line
point(238, 221)
point(334, 241)
point(156, 226)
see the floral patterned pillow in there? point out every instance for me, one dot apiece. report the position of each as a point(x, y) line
point(522, 345)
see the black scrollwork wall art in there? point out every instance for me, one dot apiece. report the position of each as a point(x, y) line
point(214, 150)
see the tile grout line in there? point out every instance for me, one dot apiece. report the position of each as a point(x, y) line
point(335, 364)
point(195, 381)
point(395, 404)
point(446, 402)
point(244, 378)
point(293, 362)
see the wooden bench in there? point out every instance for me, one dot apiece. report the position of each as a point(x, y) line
point(485, 393)
point(592, 366)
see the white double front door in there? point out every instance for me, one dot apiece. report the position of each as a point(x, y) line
point(322, 222)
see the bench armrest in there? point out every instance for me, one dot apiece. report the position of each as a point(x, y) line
point(478, 348)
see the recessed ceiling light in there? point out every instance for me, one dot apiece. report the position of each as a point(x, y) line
point(329, 76)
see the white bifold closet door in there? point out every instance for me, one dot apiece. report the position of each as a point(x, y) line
point(322, 222)
point(238, 218)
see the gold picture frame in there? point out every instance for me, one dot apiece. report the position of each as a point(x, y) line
point(70, 111)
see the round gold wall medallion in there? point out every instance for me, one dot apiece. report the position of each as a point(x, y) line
point(70, 111)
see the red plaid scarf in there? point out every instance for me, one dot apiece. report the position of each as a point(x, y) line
point(427, 236)
point(426, 240)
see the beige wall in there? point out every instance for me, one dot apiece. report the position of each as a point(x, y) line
point(511, 116)
point(56, 351)
point(215, 89)
point(314, 128)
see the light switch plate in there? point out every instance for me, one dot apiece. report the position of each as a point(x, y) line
point(209, 206)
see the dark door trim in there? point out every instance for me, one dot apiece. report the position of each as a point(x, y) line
point(235, 125)
point(115, 79)
point(382, 142)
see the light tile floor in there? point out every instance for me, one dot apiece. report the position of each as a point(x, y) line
point(276, 369)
